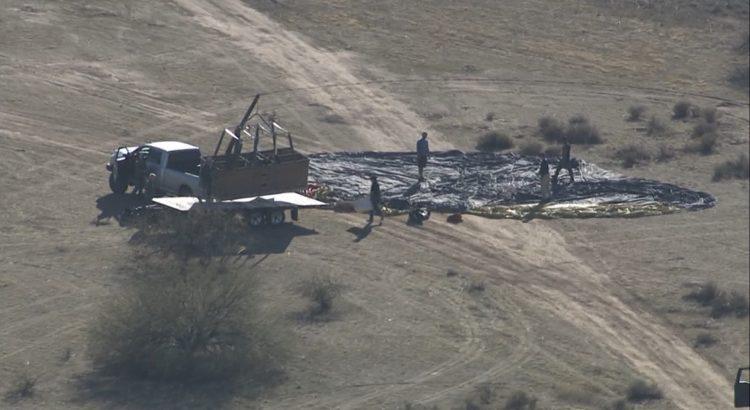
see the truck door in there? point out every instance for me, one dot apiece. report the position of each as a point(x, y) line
point(181, 170)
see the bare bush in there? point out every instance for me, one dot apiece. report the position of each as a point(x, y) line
point(580, 131)
point(494, 141)
point(655, 127)
point(322, 291)
point(635, 112)
point(631, 155)
point(710, 114)
point(640, 391)
point(196, 234)
point(704, 145)
point(740, 77)
point(485, 393)
point(520, 401)
point(665, 153)
point(702, 128)
point(551, 129)
point(531, 149)
point(733, 169)
point(23, 387)
point(705, 294)
point(181, 321)
point(489, 117)
point(729, 303)
point(682, 109)
point(704, 340)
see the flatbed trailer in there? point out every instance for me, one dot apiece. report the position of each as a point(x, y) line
point(258, 210)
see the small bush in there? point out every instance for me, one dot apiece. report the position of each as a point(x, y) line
point(620, 404)
point(470, 405)
point(630, 155)
point(705, 294)
point(727, 303)
point(23, 387)
point(682, 110)
point(738, 169)
point(553, 151)
point(333, 119)
point(489, 117)
point(494, 141)
point(703, 128)
point(531, 149)
point(580, 131)
point(710, 115)
point(635, 112)
point(705, 145)
point(551, 129)
point(476, 287)
point(322, 291)
point(655, 127)
point(640, 391)
point(485, 393)
point(180, 321)
point(704, 340)
point(520, 401)
point(740, 77)
point(665, 153)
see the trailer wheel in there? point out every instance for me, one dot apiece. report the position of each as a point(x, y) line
point(255, 219)
point(276, 217)
point(116, 185)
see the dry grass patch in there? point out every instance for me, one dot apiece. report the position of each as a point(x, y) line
point(655, 127)
point(322, 291)
point(640, 391)
point(733, 169)
point(494, 141)
point(520, 401)
point(23, 387)
point(635, 112)
point(632, 155)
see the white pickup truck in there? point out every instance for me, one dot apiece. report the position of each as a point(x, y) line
point(176, 166)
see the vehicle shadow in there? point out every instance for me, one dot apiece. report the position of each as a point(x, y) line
point(114, 205)
point(242, 242)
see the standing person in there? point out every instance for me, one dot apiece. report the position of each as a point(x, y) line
point(544, 178)
point(423, 151)
point(139, 173)
point(206, 178)
point(565, 162)
point(375, 199)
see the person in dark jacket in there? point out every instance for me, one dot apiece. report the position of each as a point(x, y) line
point(423, 151)
point(375, 199)
point(565, 162)
point(139, 173)
point(544, 178)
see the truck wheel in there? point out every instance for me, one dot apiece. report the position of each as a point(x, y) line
point(276, 217)
point(118, 187)
point(255, 219)
point(185, 191)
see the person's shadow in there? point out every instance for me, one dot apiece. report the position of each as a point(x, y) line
point(534, 212)
point(360, 233)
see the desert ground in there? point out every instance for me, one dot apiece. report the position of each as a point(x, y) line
point(569, 311)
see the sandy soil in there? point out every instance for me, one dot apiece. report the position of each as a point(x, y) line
point(571, 311)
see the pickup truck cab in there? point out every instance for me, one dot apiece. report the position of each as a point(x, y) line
point(175, 165)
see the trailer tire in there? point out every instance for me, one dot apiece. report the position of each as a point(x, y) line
point(255, 219)
point(276, 217)
point(116, 185)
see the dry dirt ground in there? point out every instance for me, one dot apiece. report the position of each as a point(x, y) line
point(572, 310)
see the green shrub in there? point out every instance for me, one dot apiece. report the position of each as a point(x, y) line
point(494, 141)
point(738, 169)
point(640, 391)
